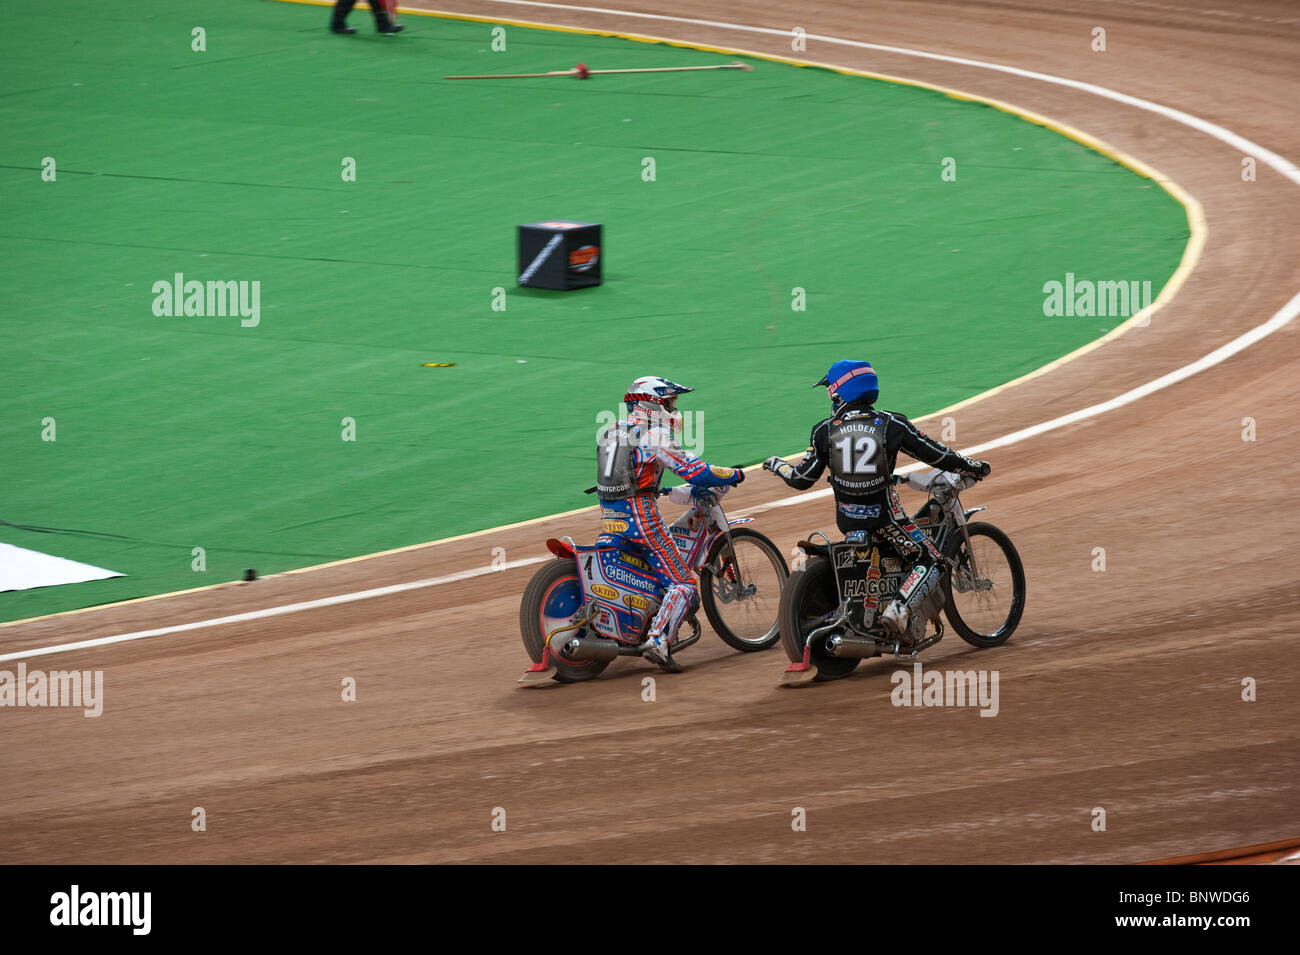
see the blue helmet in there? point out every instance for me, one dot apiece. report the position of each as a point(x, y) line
point(850, 381)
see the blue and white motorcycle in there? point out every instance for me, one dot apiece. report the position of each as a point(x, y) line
point(593, 604)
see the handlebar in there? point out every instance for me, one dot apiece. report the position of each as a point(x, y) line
point(894, 479)
point(665, 490)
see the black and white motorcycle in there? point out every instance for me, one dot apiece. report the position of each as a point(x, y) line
point(829, 612)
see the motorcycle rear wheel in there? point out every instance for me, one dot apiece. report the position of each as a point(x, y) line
point(550, 600)
point(807, 598)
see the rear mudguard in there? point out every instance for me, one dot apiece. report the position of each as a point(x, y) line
point(561, 548)
point(814, 550)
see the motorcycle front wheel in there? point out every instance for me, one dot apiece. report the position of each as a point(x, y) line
point(740, 589)
point(984, 595)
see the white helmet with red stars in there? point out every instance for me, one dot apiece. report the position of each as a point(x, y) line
point(653, 401)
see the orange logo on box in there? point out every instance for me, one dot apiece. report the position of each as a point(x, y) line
point(584, 259)
point(560, 225)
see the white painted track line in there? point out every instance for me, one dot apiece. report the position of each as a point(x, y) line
point(1220, 354)
point(1281, 165)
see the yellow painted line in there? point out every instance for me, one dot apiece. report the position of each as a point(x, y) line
point(1191, 254)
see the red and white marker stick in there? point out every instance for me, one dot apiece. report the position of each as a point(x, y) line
point(581, 71)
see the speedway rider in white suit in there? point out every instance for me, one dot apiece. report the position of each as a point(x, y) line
point(630, 460)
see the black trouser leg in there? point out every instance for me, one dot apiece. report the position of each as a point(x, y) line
point(382, 22)
point(341, 10)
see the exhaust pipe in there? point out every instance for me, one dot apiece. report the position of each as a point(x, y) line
point(851, 645)
point(591, 648)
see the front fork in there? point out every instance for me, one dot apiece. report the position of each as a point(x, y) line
point(713, 516)
point(951, 505)
point(720, 520)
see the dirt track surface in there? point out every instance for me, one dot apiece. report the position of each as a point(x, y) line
point(1121, 690)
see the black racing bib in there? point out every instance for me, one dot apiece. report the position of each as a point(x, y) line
point(616, 462)
point(858, 462)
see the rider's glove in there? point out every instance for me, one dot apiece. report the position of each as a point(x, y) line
point(740, 476)
point(778, 466)
point(982, 469)
point(681, 494)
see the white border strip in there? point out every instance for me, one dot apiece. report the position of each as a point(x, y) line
point(1279, 320)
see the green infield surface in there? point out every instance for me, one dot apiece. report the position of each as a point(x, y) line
point(727, 199)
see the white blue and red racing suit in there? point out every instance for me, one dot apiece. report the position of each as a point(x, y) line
point(630, 460)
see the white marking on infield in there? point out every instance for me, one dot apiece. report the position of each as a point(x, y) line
point(24, 569)
point(1281, 318)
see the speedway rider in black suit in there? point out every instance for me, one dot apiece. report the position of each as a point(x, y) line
point(860, 445)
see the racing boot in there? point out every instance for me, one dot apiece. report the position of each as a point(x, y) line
point(895, 618)
point(919, 601)
point(656, 649)
point(678, 601)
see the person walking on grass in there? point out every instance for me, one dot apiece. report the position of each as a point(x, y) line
point(384, 11)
